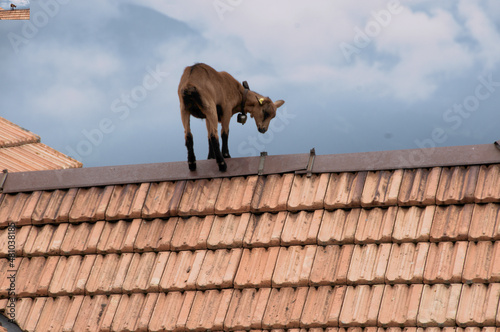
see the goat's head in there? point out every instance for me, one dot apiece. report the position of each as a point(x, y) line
point(263, 110)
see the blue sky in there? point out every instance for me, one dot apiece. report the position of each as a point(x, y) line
point(20, 4)
point(97, 80)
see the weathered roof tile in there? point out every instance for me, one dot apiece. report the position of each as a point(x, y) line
point(439, 305)
point(90, 204)
point(322, 306)
point(369, 264)
point(209, 310)
point(71, 275)
point(256, 267)
point(399, 305)
point(381, 188)
point(293, 266)
point(228, 231)
point(413, 224)
point(246, 309)
point(264, 229)
point(82, 238)
point(361, 305)
point(375, 225)
point(308, 193)
point(181, 270)
point(445, 262)
point(293, 299)
point(345, 190)
point(219, 268)
point(191, 233)
point(126, 201)
point(485, 222)
point(18, 208)
point(451, 223)
point(139, 272)
point(39, 240)
point(91, 311)
point(482, 264)
point(235, 195)
point(155, 234)
point(301, 228)
point(457, 185)
point(478, 305)
point(171, 311)
point(108, 273)
point(163, 199)
point(54, 206)
point(406, 262)
point(338, 226)
point(53, 312)
point(40, 266)
point(118, 236)
point(331, 265)
point(488, 184)
point(419, 186)
point(128, 312)
point(199, 197)
point(271, 192)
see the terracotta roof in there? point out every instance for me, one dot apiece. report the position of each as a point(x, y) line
point(16, 14)
point(21, 150)
point(327, 251)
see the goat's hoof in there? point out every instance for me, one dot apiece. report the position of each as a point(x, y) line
point(226, 155)
point(192, 166)
point(222, 166)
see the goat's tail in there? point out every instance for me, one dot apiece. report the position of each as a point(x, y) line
point(192, 101)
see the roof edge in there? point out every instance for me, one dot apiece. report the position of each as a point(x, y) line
point(297, 163)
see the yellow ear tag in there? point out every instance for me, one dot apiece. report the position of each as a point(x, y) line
point(261, 101)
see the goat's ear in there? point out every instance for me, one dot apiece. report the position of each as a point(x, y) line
point(278, 103)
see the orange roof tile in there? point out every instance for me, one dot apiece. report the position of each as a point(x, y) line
point(21, 150)
point(16, 14)
point(375, 250)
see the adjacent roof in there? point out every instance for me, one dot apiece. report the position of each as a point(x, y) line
point(21, 150)
point(377, 248)
point(14, 14)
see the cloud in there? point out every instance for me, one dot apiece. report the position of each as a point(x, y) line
point(300, 41)
point(484, 32)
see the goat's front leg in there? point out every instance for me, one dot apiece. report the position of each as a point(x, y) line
point(189, 139)
point(224, 133)
point(213, 139)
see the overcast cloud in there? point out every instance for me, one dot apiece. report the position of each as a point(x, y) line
point(97, 80)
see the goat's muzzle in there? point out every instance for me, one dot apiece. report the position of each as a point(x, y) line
point(262, 130)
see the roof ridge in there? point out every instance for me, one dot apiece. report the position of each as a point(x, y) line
point(469, 155)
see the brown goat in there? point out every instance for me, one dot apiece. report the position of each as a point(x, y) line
point(216, 96)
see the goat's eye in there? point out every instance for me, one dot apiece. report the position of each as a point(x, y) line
point(266, 115)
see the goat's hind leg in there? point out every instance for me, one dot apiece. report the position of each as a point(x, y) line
point(189, 139)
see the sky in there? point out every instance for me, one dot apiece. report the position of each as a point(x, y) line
point(97, 79)
point(20, 4)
